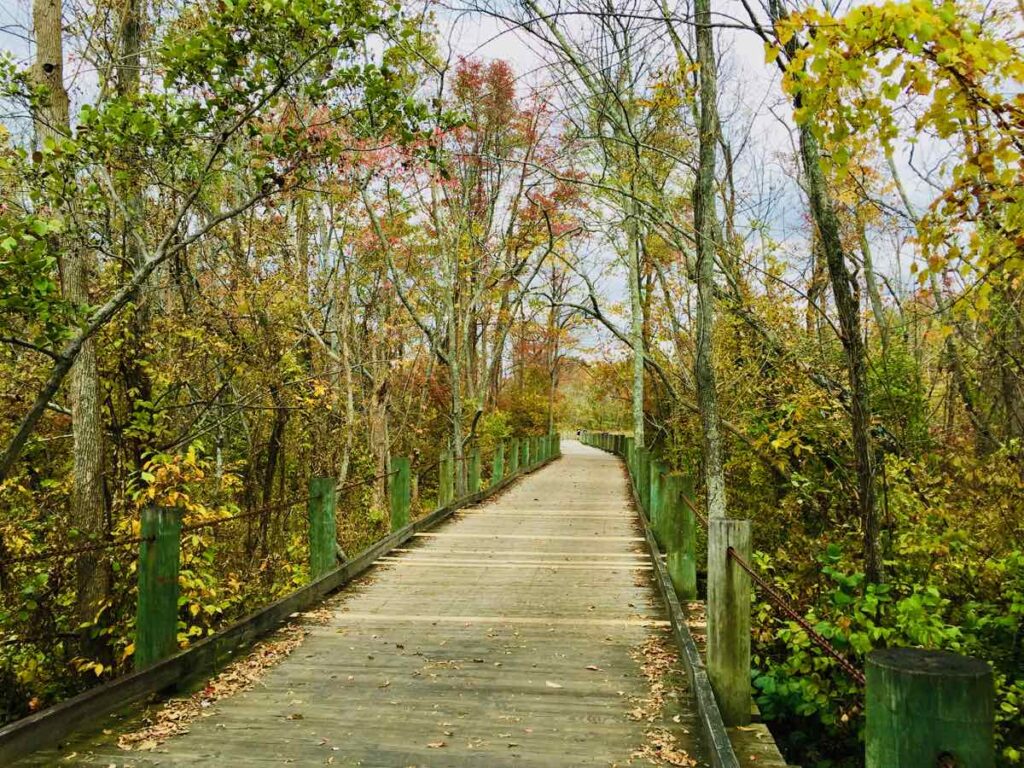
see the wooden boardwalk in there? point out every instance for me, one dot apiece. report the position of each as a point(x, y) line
point(511, 635)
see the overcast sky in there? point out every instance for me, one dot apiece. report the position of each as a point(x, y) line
point(752, 104)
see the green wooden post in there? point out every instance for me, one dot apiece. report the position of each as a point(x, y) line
point(445, 480)
point(656, 470)
point(643, 477)
point(526, 453)
point(474, 469)
point(323, 540)
point(558, 444)
point(928, 708)
point(679, 531)
point(156, 618)
point(498, 465)
point(630, 450)
point(728, 617)
point(400, 491)
point(513, 456)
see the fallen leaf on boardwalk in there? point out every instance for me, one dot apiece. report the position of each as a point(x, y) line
point(437, 744)
point(550, 684)
point(294, 716)
point(593, 668)
point(385, 684)
point(174, 716)
point(660, 748)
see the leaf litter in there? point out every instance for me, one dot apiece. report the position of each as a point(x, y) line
point(658, 662)
point(175, 715)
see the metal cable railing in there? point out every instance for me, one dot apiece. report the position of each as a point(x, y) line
point(286, 504)
point(83, 549)
point(779, 601)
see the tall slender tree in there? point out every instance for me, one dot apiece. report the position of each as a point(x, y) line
point(52, 124)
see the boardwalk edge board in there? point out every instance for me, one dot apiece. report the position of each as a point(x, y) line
point(53, 725)
point(716, 735)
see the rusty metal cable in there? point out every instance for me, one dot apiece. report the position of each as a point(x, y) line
point(54, 554)
point(780, 602)
point(368, 481)
point(280, 506)
point(699, 515)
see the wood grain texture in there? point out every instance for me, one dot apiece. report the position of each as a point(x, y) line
point(531, 664)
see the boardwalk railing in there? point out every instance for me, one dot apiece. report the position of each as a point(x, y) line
point(159, 664)
point(923, 708)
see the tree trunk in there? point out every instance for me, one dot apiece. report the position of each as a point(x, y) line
point(704, 228)
point(138, 386)
point(853, 345)
point(636, 328)
point(455, 351)
point(87, 498)
point(871, 281)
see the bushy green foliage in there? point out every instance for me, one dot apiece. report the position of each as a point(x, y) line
point(952, 584)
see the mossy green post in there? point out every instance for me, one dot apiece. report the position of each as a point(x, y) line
point(400, 491)
point(525, 461)
point(156, 618)
point(728, 617)
point(474, 469)
point(445, 480)
point(323, 542)
point(513, 456)
point(498, 463)
point(926, 708)
point(643, 478)
point(679, 531)
point(629, 457)
point(654, 512)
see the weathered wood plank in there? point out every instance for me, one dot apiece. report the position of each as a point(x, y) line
point(54, 724)
point(421, 665)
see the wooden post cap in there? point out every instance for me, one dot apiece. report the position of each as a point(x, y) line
point(927, 708)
